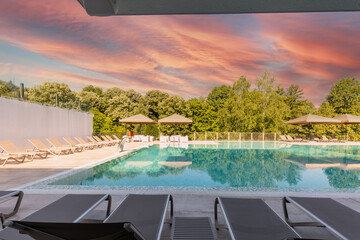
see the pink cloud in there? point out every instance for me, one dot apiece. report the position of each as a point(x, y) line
point(185, 55)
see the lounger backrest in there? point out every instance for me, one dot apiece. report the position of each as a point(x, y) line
point(70, 141)
point(282, 137)
point(97, 139)
point(9, 147)
point(104, 138)
point(54, 142)
point(116, 137)
point(108, 137)
point(38, 144)
point(81, 140)
point(324, 138)
point(289, 137)
point(92, 139)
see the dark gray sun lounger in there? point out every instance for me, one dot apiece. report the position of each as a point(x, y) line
point(4, 195)
point(252, 219)
point(340, 220)
point(146, 212)
point(69, 209)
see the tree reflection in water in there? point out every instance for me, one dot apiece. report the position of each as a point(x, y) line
point(234, 167)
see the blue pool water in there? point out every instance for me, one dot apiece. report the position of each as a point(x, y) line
point(228, 165)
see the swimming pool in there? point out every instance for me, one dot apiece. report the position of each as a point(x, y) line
point(246, 166)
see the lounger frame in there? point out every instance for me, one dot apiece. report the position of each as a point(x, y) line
point(163, 220)
point(11, 194)
point(228, 225)
point(319, 222)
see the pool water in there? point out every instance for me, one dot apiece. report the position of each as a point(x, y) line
point(229, 165)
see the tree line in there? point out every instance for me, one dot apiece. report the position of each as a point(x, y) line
point(241, 107)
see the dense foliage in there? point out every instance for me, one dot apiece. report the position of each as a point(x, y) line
point(237, 108)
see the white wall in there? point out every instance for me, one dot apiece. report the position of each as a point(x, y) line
point(20, 121)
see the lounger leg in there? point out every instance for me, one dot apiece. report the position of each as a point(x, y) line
point(2, 220)
point(108, 211)
point(170, 220)
point(20, 196)
point(294, 224)
point(216, 213)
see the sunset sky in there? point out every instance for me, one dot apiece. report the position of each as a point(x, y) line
point(183, 55)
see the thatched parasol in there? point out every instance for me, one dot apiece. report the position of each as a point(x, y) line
point(175, 119)
point(310, 119)
point(348, 119)
point(138, 119)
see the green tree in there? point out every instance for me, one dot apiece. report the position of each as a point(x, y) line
point(101, 123)
point(153, 99)
point(46, 94)
point(219, 95)
point(203, 115)
point(344, 96)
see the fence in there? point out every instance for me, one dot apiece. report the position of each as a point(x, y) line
point(261, 136)
point(232, 136)
point(245, 136)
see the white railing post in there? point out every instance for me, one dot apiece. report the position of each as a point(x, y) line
point(274, 137)
point(263, 136)
point(251, 137)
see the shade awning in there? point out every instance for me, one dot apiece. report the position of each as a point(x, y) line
point(348, 119)
point(313, 119)
point(138, 119)
point(175, 119)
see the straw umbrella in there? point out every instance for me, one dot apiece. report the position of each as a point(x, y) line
point(348, 119)
point(138, 119)
point(311, 119)
point(175, 119)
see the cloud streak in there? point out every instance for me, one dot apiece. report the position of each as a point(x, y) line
point(184, 55)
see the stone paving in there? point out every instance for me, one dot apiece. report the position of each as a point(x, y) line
point(186, 203)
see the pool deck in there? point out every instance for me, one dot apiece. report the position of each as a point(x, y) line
point(186, 203)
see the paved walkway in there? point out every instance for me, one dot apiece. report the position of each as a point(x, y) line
point(16, 174)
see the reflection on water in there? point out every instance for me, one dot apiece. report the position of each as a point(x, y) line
point(233, 164)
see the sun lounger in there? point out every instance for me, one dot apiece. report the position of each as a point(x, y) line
point(4, 195)
point(42, 147)
point(10, 149)
point(5, 158)
point(137, 138)
point(69, 209)
point(110, 141)
point(100, 144)
point(291, 139)
point(83, 142)
point(283, 138)
point(340, 220)
point(56, 144)
point(101, 141)
point(72, 143)
point(252, 219)
point(146, 212)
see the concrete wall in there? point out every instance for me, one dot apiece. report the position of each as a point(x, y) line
point(20, 121)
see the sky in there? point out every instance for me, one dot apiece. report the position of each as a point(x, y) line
point(186, 55)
